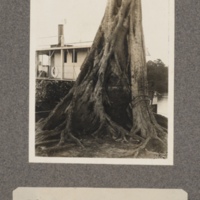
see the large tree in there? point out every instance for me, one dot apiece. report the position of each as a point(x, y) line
point(110, 95)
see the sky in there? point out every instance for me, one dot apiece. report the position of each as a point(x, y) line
point(81, 19)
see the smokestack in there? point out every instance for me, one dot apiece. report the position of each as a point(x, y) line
point(61, 35)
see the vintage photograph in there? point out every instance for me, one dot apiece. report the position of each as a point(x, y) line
point(102, 81)
point(98, 194)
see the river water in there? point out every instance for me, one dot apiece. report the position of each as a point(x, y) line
point(162, 108)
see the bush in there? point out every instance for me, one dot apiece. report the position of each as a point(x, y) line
point(50, 92)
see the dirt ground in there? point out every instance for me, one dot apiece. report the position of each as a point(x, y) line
point(95, 148)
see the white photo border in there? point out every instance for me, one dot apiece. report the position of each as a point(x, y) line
point(115, 161)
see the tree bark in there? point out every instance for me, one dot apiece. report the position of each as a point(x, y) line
point(110, 95)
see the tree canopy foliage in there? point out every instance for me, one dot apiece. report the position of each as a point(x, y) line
point(157, 75)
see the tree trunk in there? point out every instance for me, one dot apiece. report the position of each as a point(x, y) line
point(110, 95)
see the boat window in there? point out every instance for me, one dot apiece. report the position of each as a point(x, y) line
point(74, 56)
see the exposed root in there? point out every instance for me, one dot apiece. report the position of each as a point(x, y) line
point(62, 139)
point(47, 135)
point(99, 130)
point(75, 139)
point(153, 145)
point(146, 150)
point(121, 132)
point(140, 147)
point(107, 127)
point(134, 136)
point(46, 143)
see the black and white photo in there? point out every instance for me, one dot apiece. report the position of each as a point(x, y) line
point(102, 81)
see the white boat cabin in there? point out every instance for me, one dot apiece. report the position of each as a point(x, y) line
point(61, 62)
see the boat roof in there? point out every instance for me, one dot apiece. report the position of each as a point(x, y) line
point(67, 47)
